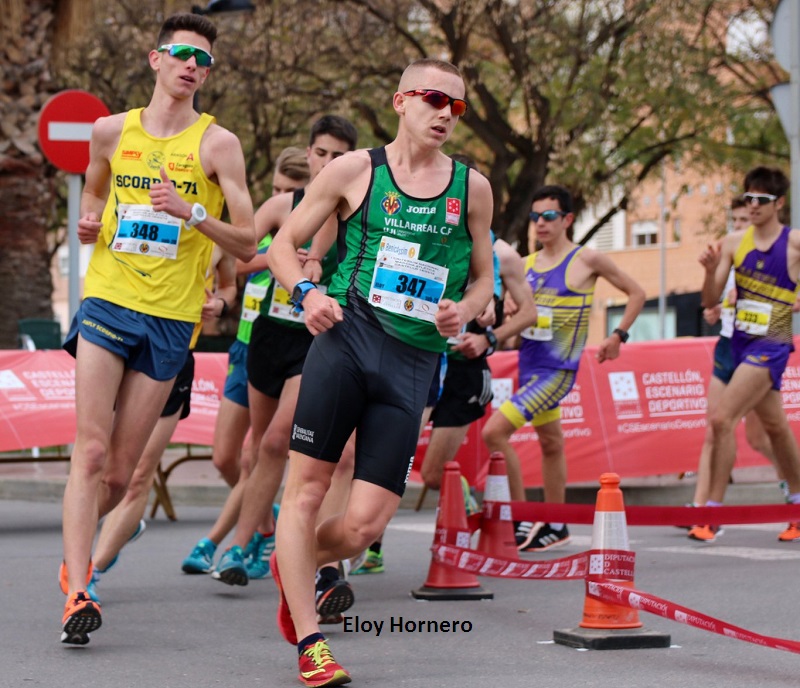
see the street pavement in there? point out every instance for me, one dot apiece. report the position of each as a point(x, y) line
point(165, 629)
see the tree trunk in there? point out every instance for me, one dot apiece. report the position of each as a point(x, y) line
point(26, 183)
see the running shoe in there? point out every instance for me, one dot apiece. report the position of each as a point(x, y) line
point(91, 587)
point(81, 617)
point(259, 550)
point(705, 533)
point(373, 563)
point(357, 561)
point(230, 568)
point(63, 579)
point(545, 537)
point(336, 597)
point(791, 534)
point(140, 528)
point(256, 567)
point(284, 615)
point(319, 668)
point(524, 532)
point(201, 560)
point(470, 503)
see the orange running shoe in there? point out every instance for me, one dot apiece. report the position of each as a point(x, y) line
point(81, 617)
point(705, 533)
point(319, 668)
point(284, 616)
point(791, 534)
point(63, 579)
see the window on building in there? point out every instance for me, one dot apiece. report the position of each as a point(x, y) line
point(647, 326)
point(644, 233)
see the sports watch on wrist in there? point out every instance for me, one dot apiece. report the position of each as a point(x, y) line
point(299, 292)
point(622, 334)
point(490, 335)
point(199, 214)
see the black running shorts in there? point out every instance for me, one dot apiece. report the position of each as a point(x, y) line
point(357, 377)
point(276, 353)
point(180, 395)
point(467, 389)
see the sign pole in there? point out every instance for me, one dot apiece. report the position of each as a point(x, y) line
point(74, 187)
point(793, 132)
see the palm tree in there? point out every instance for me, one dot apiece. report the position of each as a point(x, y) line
point(31, 34)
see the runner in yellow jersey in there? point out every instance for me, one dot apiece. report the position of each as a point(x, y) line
point(154, 191)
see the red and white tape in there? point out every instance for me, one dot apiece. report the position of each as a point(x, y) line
point(636, 599)
point(591, 565)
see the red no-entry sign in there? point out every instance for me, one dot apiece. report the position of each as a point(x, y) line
point(65, 128)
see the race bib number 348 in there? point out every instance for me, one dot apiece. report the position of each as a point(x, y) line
point(142, 230)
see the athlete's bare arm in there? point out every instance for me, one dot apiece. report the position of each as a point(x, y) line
point(717, 260)
point(223, 152)
point(602, 266)
point(451, 316)
point(105, 137)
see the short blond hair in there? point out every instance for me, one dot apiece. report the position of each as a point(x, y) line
point(292, 163)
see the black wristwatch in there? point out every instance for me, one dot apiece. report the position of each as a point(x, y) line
point(299, 292)
point(490, 335)
point(622, 334)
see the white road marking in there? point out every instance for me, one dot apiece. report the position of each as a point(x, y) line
point(754, 553)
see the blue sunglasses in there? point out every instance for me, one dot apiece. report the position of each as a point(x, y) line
point(547, 215)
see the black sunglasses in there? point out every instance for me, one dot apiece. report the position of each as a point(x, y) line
point(547, 215)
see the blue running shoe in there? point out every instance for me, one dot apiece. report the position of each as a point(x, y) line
point(136, 535)
point(259, 550)
point(201, 560)
point(91, 586)
point(231, 568)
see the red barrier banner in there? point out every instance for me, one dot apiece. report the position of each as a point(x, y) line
point(37, 399)
point(657, 515)
point(642, 414)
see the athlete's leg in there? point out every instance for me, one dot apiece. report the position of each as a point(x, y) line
point(264, 482)
point(554, 462)
point(496, 434)
point(107, 445)
point(716, 387)
point(747, 388)
point(121, 523)
point(233, 421)
point(443, 447)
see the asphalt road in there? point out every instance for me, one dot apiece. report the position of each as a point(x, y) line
point(164, 629)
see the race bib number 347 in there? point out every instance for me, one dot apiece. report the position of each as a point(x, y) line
point(406, 285)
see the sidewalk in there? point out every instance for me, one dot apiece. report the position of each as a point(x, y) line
point(197, 483)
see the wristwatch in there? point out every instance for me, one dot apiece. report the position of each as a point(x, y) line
point(622, 334)
point(299, 292)
point(490, 335)
point(199, 214)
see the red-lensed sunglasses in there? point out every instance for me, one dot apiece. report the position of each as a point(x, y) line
point(439, 100)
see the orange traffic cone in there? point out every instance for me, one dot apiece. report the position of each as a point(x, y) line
point(497, 528)
point(445, 582)
point(607, 626)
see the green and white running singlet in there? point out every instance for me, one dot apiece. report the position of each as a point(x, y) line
point(254, 292)
point(402, 255)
